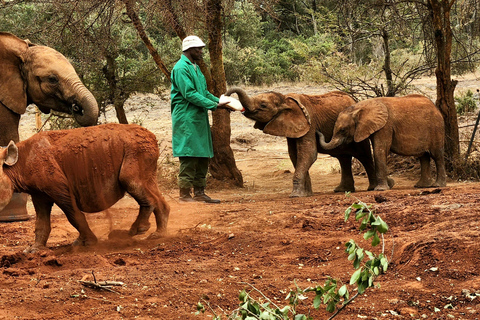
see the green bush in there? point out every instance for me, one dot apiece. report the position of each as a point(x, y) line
point(465, 102)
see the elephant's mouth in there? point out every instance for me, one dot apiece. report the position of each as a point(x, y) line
point(76, 109)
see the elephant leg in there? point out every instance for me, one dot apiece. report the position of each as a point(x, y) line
point(303, 153)
point(380, 153)
point(43, 209)
point(439, 159)
point(425, 176)
point(364, 155)
point(144, 189)
point(347, 184)
point(78, 221)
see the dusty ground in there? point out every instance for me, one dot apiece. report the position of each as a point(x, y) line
point(257, 236)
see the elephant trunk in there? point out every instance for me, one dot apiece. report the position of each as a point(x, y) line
point(334, 142)
point(245, 100)
point(85, 107)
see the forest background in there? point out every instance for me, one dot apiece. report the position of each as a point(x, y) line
point(368, 48)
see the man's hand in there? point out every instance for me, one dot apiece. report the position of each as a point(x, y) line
point(223, 105)
point(230, 103)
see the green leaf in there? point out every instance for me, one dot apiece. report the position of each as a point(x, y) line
point(243, 296)
point(347, 213)
point(360, 214)
point(285, 310)
point(356, 206)
point(331, 306)
point(375, 240)
point(363, 224)
point(360, 254)
point(317, 301)
point(382, 227)
point(356, 263)
point(300, 317)
point(384, 263)
point(266, 316)
point(376, 271)
point(342, 291)
point(352, 256)
point(370, 255)
point(362, 286)
point(369, 234)
point(355, 276)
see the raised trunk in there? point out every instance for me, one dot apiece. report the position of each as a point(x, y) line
point(243, 97)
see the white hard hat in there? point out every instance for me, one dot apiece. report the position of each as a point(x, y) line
point(192, 42)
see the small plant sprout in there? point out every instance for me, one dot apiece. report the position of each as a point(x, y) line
point(334, 294)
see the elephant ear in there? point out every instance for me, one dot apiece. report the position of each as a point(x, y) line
point(9, 156)
point(292, 122)
point(13, 93)
point(371, 116)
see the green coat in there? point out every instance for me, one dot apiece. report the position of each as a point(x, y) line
point(190, 102)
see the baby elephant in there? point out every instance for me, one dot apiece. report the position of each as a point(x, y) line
point(409, 126)
point(85, 170)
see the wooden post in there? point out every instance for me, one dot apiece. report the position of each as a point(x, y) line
point(38, 120)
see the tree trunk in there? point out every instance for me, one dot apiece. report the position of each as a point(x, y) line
point(440, 11)
point(129, 6)
point(223, 164)
point(387, 67)
point(109, 71)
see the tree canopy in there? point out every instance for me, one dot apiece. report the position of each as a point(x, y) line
point(368, 48)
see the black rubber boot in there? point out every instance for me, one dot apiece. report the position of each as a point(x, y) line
point(199, 195)
point(185, 195)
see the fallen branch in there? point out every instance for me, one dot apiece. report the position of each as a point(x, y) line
point(106, 285)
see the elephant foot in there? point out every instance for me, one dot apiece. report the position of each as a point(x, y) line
point(390, 182)
point(157, 235)
point(141, 229)
point(300, 194)
point(424, 184)
point(440, 184)
point(85, 242)
point(34, 248)
point(382, 187)
point(341, 188)
point(119, 235)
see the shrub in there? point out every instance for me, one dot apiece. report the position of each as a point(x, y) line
point(465, 102)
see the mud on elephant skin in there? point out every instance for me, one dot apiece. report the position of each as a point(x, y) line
point(409, 126)
point(85, 170)
point(297, 117)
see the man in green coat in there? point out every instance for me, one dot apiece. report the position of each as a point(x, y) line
point(191, 136)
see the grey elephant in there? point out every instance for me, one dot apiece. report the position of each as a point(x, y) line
point(297, 117)
point(409, 126)
point(41, 75)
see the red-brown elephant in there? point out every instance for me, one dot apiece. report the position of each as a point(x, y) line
point(85, 170)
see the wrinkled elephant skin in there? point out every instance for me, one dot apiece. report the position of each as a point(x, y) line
point(43, 76)
point(297, 117)
point(409, 126)
point(85, 170)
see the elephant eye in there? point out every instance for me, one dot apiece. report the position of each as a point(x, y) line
point(52, 79)
point(263, 106)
